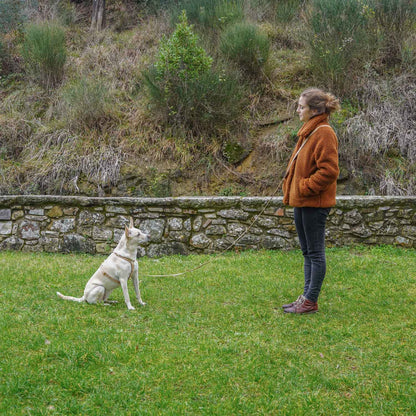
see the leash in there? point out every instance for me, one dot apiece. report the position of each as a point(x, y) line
point(253, 221)
point(224, 250)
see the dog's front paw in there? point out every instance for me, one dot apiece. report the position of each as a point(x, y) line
point(142, 303)
point(111, 302)
point(131, 308)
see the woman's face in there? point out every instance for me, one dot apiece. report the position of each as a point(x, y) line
point(304, 111)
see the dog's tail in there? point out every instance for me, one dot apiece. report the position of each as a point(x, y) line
point(70, 297)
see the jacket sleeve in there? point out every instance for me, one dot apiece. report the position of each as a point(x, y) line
point(327, 169)
point(289, 174)
point(285, 192)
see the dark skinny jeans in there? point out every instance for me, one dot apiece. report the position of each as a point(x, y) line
point(310, 226)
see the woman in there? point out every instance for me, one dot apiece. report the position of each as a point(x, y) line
point(310, 187)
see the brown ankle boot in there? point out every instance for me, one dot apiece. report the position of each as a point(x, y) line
point(304, 307)
point(297, 301)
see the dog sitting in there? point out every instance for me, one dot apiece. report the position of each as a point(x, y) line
point(116, 270)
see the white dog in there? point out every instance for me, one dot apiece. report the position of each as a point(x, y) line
point(115, 271)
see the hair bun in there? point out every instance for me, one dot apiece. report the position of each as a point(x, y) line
point(332, 103)
point(322, 102)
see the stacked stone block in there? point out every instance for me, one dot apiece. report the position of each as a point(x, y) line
point(194, 224)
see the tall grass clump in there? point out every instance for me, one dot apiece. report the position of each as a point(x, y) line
point(208, 14)
point(286, 10)
point(381, 139)
point(395, 19)
point(63, 162)
point(3, 57)
point(86, 104)
point(245, 45)
point(44, 52)
point(185, 89)
point(339, 40)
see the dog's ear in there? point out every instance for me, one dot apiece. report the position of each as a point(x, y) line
point(126, 231)
point(131, 223)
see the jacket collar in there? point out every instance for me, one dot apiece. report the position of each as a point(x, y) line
point(311, 125)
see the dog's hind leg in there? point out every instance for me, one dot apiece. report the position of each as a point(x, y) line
point(95, 294)
point(106, 300)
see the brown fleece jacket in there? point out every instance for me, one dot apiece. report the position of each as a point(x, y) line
point(312, 178)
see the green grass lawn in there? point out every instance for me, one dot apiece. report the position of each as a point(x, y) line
point(214, 342)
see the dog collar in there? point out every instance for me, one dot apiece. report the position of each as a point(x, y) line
point(131, 261)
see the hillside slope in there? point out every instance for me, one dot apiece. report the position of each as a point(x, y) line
point(96, 131)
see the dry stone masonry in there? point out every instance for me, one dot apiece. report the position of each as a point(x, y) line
point(187, 225)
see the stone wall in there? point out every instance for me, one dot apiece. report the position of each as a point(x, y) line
point(193, 224)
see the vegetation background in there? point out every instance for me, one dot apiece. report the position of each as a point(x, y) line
point(197, 97)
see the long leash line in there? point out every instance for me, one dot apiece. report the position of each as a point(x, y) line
point(250, 226)
point(227, 248)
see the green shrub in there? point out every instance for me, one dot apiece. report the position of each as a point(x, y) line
point(86, 104)
point(204, 105)
point(185, 89)
point(245, 45)
point(213, 13)
point(339, 41)
point(44, 53)
point(11, 14)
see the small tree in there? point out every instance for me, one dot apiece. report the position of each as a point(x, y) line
point(180, 57)
point(180, 61)
point(186, 90)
